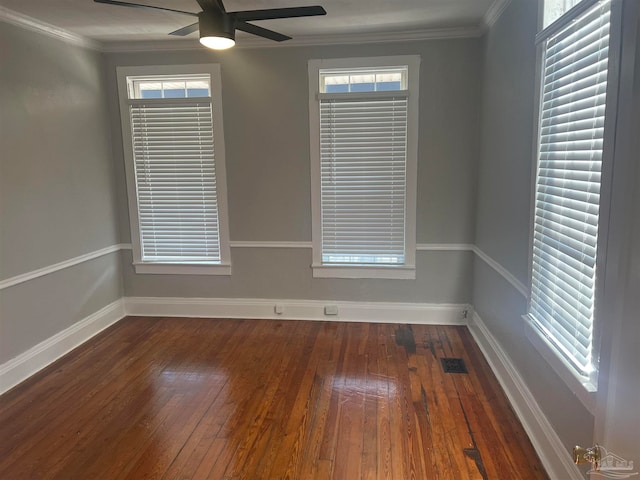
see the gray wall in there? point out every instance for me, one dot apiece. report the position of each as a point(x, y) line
point(57, 188)
point(618, 422)
point(503, 213)
point(266, 119)
point(62, 193)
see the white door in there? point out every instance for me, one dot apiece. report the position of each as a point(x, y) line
point(618, 415)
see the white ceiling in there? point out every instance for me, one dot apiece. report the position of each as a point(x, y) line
point(107, 23)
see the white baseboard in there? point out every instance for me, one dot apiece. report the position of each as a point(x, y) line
point(550, 448)
point(552, 452)
point(418, 313)
point(38, 357)
point(71, 262)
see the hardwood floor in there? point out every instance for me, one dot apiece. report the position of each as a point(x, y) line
point(259, 399)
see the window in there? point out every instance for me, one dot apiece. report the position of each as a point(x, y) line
point(554, 9)
point(566, 221)
point(174, 154)
point(364, 121)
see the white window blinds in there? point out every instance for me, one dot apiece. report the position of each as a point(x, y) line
point(363, 152)
point(175, 175)
point(567, 193)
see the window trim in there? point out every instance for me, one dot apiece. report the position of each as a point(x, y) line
point(406, 270)
point(585, 391)
point(142, 267)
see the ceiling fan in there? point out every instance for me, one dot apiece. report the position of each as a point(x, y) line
point(218, 27)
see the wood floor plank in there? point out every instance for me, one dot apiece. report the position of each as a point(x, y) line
point(94, 408)
point(188, 398)
point(383, 422)
point(52, 386)
point(369, 431)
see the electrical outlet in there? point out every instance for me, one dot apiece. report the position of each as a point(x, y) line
point(331, 310)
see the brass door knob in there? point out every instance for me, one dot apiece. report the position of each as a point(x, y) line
point(587, 455)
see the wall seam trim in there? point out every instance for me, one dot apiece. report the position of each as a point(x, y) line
point(283, 244)
point(508, 276)
point(445, 247)
point(269, 244)
point(25, 277)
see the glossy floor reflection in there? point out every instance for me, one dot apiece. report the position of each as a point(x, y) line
point(257, 399)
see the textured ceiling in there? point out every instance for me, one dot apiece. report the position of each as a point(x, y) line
point(108, 23)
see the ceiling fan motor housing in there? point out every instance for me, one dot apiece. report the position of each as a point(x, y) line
point(216, 24)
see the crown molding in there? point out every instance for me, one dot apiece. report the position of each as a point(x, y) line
point(301, 41)
point(33, 24)
point(30, 23)
point(153, 46)
point(496, 9)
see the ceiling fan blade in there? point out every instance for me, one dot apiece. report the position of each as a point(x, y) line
point(269, 14)
point(261, 32)
point(211, 5)
point(139, 5)
point(189, 29)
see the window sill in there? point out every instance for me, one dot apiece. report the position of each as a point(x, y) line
point(583, 389)
point(182, 269)
point(404, 272)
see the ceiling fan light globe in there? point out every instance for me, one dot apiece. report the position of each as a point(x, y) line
point(217, 43)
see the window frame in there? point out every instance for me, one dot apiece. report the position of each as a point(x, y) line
point(187, 268)
point(585, 390)
point(401, 271)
